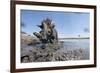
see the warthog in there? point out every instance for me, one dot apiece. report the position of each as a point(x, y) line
point(48, 34)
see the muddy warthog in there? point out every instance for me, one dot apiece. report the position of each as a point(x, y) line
point(48, 33)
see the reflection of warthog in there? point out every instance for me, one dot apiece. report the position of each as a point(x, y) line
point(48, 34)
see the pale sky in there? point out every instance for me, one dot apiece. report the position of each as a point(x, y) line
point(67, 23)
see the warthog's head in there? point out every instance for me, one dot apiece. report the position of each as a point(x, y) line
point(47, 26)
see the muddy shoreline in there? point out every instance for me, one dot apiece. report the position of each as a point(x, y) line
point(31, 51)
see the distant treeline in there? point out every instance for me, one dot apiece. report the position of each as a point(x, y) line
point(74, 38)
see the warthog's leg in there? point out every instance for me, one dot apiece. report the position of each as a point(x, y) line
point(38, 35)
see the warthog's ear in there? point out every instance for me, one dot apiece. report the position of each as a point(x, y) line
point(41, 26)
point(53, 25)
